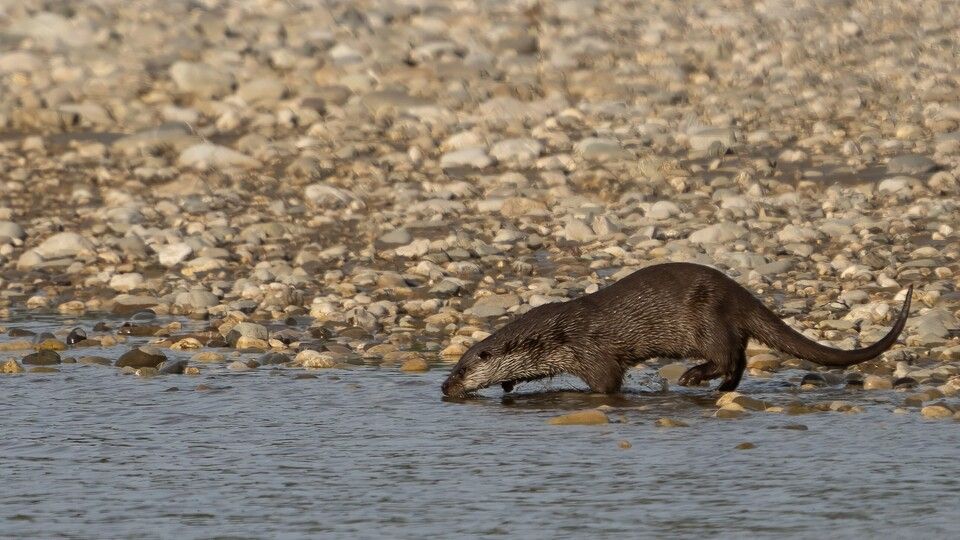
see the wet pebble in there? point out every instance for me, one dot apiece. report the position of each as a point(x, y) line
point(11, 367)
point(43, 357)
point(587, 417)
point(145, 356)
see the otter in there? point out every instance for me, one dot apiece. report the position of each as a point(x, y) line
point(672, 310)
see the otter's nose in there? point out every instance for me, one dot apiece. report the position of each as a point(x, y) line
point(445, 387)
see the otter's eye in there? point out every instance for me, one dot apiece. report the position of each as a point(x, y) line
point(484, 355)
point(461, 372)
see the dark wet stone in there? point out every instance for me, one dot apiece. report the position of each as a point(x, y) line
point(42, 358)
point(143, 316)
point(813, 378)
point(172, 389)
point(131, 329)
point(290, 321)
point(43, 336)
point(854, 380)
point(273, 358)
point(305, 376)
point(287, 336)
point(248, 330)
point(905, 382)
point(76, 336)
point(172, 367)
point(68, 360)
point(141, 357)
point(95, 360)
point(321, 332)
point(21, 332)
point(101, 327)
point(217, 342)
point(355, 332)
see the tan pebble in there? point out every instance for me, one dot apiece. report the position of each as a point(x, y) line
point(72, 307)
point(727, 397)
point(237, 365)
point(763, 362)
point(670, 422)
point(750, 404)
point(244, 342)
point(775, 409)
point(746, 446)
point(17, 345)
point(191, 370)
point(51, 345)
point(729, 414)
point(414, 364)
point(875, 382)
point(587, 417)
point(799, 408)
point(672, 372)
point(109, 341)
point(314, 360)
point(454, 350)
point(624, 444)
point(900, 410)
point(936, 411)
point(208, 357)
point(187, 343)
point(11, 367)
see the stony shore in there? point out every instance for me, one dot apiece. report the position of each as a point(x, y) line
point(391, 181)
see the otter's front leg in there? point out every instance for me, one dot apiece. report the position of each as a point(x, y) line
point(603, 377)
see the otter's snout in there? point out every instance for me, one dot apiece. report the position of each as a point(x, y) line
point(453, 386)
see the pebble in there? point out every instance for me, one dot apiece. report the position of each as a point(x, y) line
point(43, 357)
point(587, 417)
point(11, 367)
point(314, 360)
point(145, 356)
point(208, 357)
point(208, 155)
point(670, 422)
point(936, 411)
point(875, 382)
point(237, 365)
point(172, 367)
point(911, 164)
point(468, 157)
point(414, 364)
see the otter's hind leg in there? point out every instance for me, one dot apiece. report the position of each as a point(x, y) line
point(732, 377)
point(699, 373)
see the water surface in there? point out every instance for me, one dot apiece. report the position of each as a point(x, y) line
point(373, 452)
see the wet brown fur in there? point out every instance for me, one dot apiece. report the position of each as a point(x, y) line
point(674, 310)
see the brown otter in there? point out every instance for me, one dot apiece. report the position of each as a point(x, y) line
point(673, 310)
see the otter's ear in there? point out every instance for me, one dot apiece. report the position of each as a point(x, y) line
point(484, 355)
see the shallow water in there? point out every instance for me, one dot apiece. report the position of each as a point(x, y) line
point(372, 452)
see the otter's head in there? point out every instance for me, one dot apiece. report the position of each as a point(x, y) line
point(478, 368)
point(518, 352)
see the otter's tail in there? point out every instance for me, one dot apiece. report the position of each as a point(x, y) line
point(765, 326)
